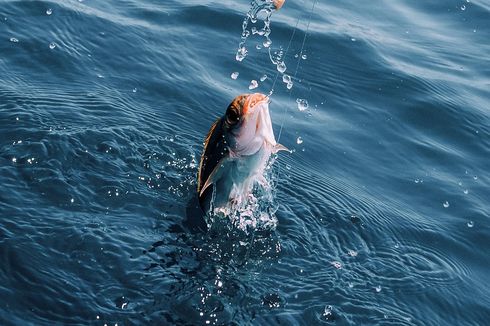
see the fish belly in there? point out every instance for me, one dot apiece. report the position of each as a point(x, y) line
point(238, 178)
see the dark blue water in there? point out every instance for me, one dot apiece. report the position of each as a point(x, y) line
point(382, 208)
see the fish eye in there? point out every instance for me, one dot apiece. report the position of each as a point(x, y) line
point(232, 116)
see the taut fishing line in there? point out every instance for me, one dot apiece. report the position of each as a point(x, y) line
point(297, 66)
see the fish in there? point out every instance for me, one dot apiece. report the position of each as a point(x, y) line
point(236, 151)
point(278, 3)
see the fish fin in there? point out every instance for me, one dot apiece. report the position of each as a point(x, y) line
point(214, 176)
point(206, 143)
point(280, 147)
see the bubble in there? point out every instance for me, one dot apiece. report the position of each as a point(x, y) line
point(14, 40)
point(328, 312)
point(303, 57)
point(281, 67)
point(258, 46)
point(302, 104)
point(253, 84)
point(470, 224)
point(52, 45)
point(463, 7)
point(234, 75)
point(337, 264)
point(378, 288)
point(475, 177)
point(286, 78)
point(264, 77)
point(352, 253)
point(299, 140)
point(445, 204)
point(49, 11)
point(289, 85)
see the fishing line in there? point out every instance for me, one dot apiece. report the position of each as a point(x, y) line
point(286, 109)
point(287, 49)
point(297, 67)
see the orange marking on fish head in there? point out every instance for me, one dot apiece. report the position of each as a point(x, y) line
point(252, 101)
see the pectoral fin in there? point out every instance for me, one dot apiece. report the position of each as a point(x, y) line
point(215, 175)
point(280, 147)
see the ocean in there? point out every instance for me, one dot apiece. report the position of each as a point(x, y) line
point(381, 212)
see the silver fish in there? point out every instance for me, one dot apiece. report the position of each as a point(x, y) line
point(236, 151)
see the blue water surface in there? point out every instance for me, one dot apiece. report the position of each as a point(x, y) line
point(382, 208)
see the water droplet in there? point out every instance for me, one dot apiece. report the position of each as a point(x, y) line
point(49, 11)
point(135, 90)
point(378, 288)
point(258, 46)
point(13, 39)
point(466, 191)
point(337, 264)
point(353, 39)
point(253, 84)
point(281, 67)
point(471, 224)
point(445, 204)
point(14, 159)
point(52, 45)
point(267, 43)
point(475, 177)
point(286, 78)
point(463, 7)
point(234, 75)
point(302, 104)
point(264, 77)
point(303, 57)
point(72, 200)
point(289, 85)
point(299, 141)
point(241, 53)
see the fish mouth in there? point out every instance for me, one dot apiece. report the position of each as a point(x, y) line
point(253, 101)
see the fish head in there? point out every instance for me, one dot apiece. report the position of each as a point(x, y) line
point(247, 124)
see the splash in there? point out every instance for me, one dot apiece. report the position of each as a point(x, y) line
point(255, 213)
point(260, 10)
